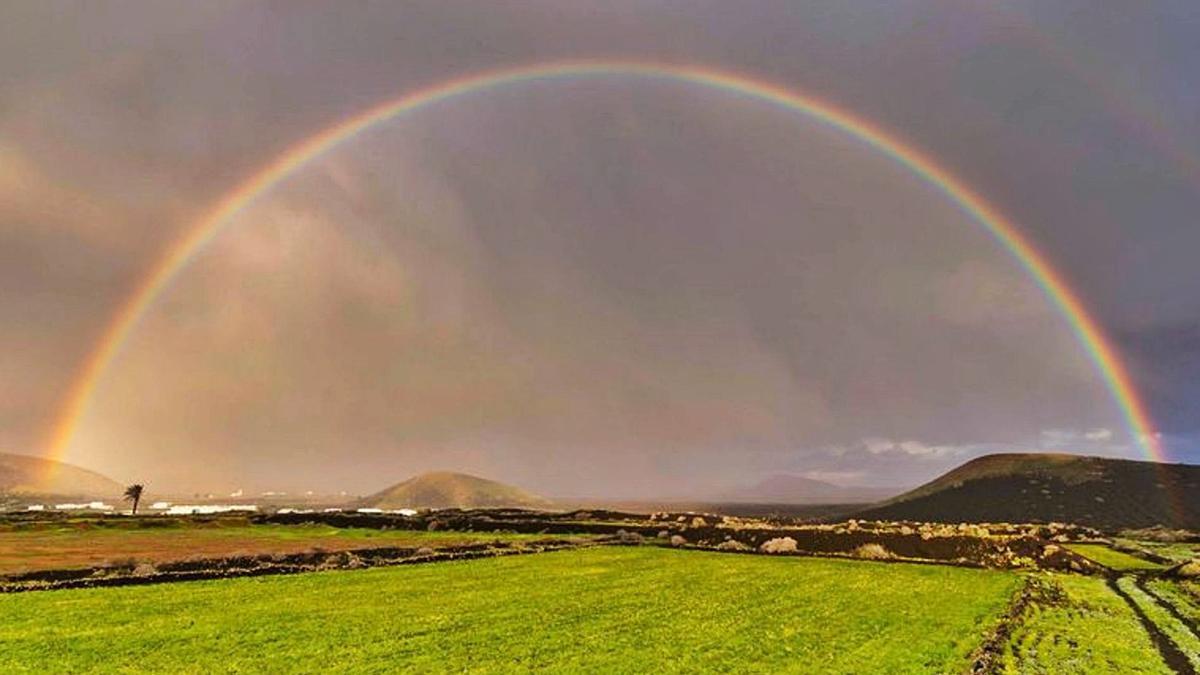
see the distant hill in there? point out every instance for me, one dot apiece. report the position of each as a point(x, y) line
point(1095, 491)
point(25, 476)
point(445, 489)
point(789, 489)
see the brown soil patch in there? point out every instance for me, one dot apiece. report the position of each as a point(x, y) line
point(67, 548)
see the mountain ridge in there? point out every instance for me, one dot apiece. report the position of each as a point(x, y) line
point(1101, 492)
point(783, 488)
point(29, 476)
point(448, 489)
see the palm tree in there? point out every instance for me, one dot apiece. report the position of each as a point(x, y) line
point(133, 493)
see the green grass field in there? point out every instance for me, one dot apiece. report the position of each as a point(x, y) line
point(1176, 593)
point(1156, 611)
point(1089, 630)
point(67, 545)
point(598, 610)
point(1113, 559)
point(1178, 552)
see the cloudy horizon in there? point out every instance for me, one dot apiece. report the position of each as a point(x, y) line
point(610, 286)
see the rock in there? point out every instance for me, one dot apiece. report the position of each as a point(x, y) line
point(779, 545)
point(663, 534)
point(678, 540)
point(699, 522)
point(733, 545)
point(145, 570)
point(624, 537)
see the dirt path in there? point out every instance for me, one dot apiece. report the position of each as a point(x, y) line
point(1170, 652)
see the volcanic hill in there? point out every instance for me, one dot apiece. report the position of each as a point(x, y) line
point(445, 489)
point(1100, 492)
point(25, 476)
point(790, 489)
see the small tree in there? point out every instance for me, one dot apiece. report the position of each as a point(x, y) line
point(133, 493)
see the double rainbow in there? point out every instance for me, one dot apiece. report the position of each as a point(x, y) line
point(1086, 329)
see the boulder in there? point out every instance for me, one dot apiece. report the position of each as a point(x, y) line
point(779, 545)
point(624, 537)
point(732, 545)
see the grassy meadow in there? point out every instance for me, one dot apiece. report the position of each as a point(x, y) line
point(610, 609)
point(1115, 560)
point(1185, 600)
point(1174, 551)
point(1086, 629)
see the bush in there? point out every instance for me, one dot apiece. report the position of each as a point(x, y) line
point(779, 545)
point(873, 552)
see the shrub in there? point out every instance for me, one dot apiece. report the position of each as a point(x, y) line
point(779, 545)
point(873, 552)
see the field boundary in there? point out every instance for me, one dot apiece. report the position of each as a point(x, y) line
point(986, 659)
point(269, 565)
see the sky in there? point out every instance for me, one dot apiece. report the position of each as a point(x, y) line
point(608, 286)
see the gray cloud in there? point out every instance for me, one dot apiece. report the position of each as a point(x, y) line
point(607, 286)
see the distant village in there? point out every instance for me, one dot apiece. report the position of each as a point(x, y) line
point(169, 509)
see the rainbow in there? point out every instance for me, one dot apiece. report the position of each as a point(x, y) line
point(183, 251)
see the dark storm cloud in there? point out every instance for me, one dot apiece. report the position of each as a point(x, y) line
point(610, 287)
